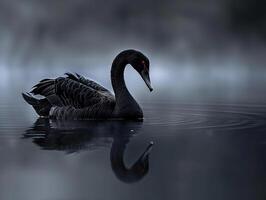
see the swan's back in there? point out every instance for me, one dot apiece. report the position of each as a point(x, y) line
point(72, 97)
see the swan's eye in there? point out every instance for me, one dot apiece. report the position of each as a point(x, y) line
point(144, 64)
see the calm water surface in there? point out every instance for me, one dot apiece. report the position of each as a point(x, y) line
point(200, 151)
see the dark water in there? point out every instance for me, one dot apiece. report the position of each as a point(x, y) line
point(200, 151)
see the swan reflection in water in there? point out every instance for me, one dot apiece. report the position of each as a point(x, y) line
point(76, 136)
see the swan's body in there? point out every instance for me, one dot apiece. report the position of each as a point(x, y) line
point(74, 97)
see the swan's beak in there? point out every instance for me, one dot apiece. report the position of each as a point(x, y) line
point(147, 152)
point(146, 77)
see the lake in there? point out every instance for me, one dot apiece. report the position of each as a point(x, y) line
point(179, 151)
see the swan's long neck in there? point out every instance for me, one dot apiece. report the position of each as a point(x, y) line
point(117, 157)
point(126, 105)
point(122, 172)
point(128, 174)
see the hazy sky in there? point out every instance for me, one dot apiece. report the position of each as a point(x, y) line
point(189, 43)
point(35, 29)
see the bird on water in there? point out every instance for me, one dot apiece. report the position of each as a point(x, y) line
point(75, 97)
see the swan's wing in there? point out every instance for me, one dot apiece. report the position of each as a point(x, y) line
point(68, 92)
point(85, 81)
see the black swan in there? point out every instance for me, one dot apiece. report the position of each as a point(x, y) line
point(74, 97)
point(72, 137)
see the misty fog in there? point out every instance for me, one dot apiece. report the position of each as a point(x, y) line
point(207, 49)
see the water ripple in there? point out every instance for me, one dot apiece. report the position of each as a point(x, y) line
point(185, 116)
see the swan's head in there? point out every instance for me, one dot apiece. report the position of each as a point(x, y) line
point(141, 64)
point(141, 166)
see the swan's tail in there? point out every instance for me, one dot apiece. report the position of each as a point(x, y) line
point(41, 106)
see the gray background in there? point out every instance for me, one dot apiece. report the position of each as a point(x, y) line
point(204, 50)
